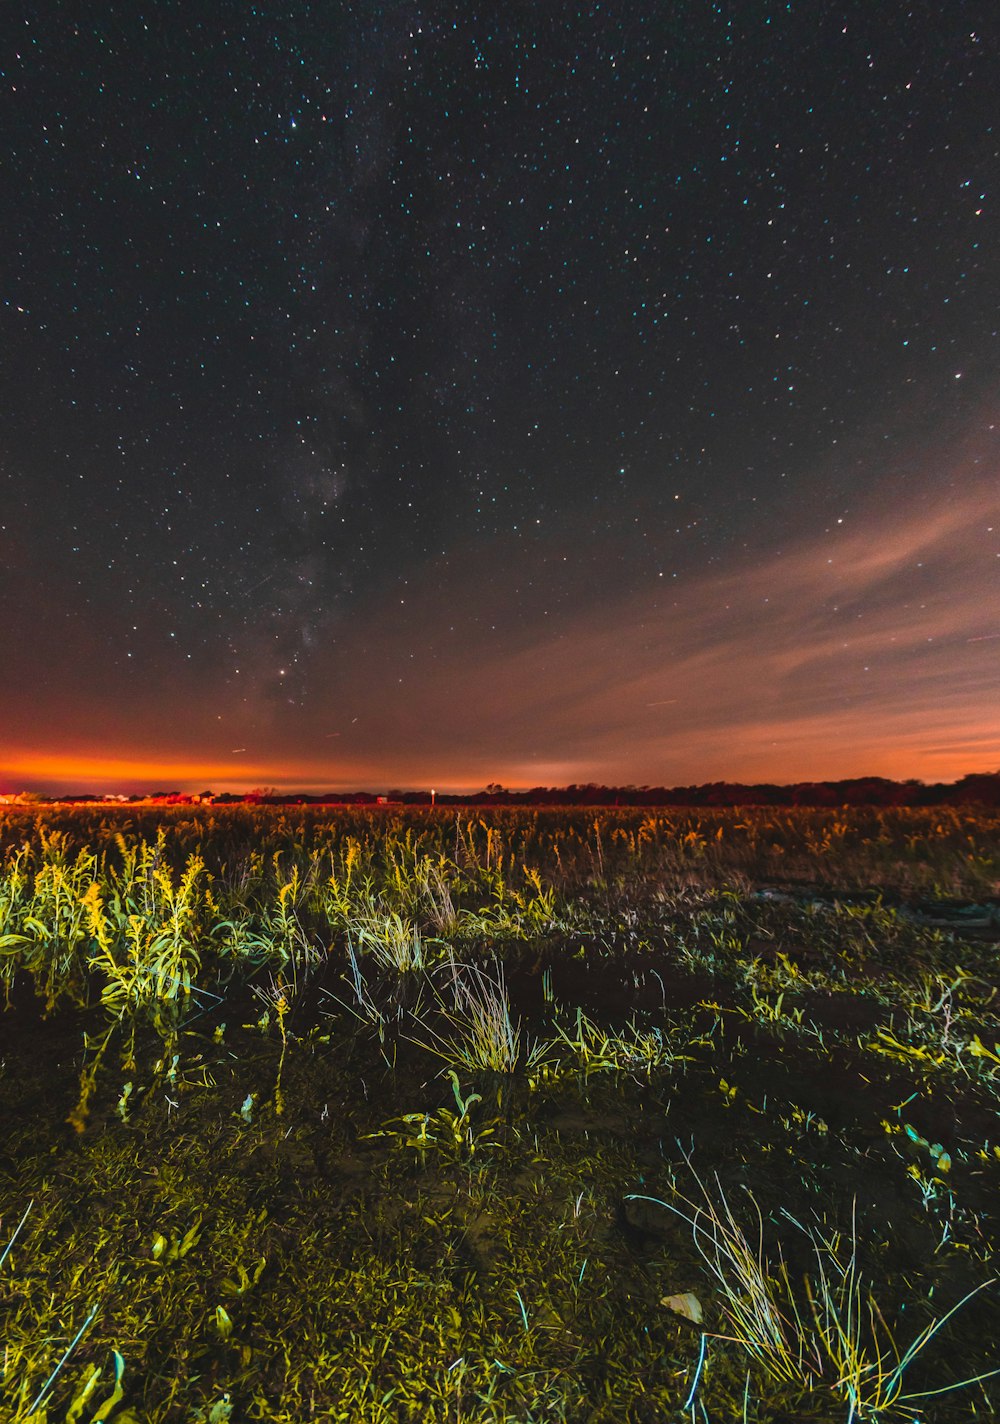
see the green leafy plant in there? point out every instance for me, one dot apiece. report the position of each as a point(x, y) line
point(442, 1131)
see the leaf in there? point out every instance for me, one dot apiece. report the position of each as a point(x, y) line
point(116, 1395)
point(686, 1304)
point(979, 1050)
point(220, 1411)
point(191, 1238)
point(90, 1377)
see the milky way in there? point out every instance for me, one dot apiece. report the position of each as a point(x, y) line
point(429, 394)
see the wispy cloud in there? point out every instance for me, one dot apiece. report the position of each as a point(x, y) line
point(853, 651)
point(861, 647)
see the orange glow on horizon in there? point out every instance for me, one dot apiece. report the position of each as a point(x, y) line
point(86, 771)
point(94, 773)
point(793, 759)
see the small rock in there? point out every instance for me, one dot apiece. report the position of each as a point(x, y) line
point(685, 1304)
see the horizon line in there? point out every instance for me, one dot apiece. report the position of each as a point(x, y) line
point(28, 796)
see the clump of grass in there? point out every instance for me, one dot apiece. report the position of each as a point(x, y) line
point(836, 1338)
point(599, 1050)
point(477, 1031)
point(392, 939)
point(438, 900)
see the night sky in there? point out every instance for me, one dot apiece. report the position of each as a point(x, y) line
point(427, 395)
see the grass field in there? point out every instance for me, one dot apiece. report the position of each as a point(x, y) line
point(377, 1115)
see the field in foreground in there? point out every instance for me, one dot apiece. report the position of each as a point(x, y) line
point(561, 1115)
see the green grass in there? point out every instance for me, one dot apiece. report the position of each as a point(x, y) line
point(469, 1022)
point(828, 1335)
point(373, 1112)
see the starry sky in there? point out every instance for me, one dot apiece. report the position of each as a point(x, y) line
point(427, 394)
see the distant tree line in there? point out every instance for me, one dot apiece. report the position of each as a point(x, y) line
point(977, 789)
point(982, 789)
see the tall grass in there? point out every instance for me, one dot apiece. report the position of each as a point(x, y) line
point(137, 911)
point(831, 1335)
point(472, 1026)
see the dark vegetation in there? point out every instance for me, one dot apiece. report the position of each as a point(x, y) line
point(502, 1115)
point(976, 789)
